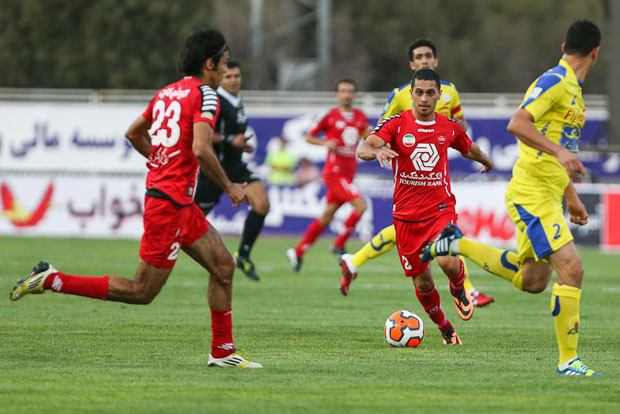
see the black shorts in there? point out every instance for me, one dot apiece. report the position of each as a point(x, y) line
point(208, 193)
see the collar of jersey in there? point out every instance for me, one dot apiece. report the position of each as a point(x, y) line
point(424, 122)
point(234, 100)
point(570, 70)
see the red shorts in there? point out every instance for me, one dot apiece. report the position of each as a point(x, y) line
point(340, 189)
point(168, 228)
point(412, 237)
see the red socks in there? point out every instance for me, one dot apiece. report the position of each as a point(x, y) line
point(221, 326)
point(92, 287)
point(456, 282)
point(313, 231)
point(431, 303)
point(349, 226)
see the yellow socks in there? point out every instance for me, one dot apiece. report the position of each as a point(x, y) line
point(503, 263)
point(565, 311)
point(381, 243)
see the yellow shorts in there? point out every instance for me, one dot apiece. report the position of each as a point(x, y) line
point(538, 215)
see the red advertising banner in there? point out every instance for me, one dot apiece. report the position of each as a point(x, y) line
point(611, 224)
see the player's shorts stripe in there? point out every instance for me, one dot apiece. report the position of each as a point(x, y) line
point(556, 307)
point(535, 232)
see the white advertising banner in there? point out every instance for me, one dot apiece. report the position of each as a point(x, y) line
point(68, 137)
point(72, 205)
point(110, 206)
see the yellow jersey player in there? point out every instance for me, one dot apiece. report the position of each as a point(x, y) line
point(548, 125)
point(422, 55)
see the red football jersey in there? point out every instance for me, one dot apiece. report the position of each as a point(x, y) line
point(346, 128)
point(421, 172)
point(173, 111)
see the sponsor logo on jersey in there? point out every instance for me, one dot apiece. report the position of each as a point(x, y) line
point(350, 136)
point(570, 138)
point(441, 138)
point(173, 93)
point(420, 179)
point(573, 116)
point(408, 140)
point(445, 97)
point(425, 157)
point(426, 130)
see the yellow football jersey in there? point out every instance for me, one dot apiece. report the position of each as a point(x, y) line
point(556, 103)
point(449, 104)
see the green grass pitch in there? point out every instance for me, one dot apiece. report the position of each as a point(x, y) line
point(322, 352)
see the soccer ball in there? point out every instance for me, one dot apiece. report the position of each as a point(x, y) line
point(404, 329)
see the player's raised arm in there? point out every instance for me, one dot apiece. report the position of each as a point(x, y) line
point(373, 148)
point(522, 126)
point(138, 135)
point(476, 154)
point(209, 164)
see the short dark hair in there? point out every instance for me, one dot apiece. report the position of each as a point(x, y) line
point(346, 80)
point(200, 46)
point(581, 38)
point(426, 74)
point(419, 42)
point(231, 64)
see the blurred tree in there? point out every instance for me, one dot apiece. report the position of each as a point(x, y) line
point(97, 44)
point(484, 45)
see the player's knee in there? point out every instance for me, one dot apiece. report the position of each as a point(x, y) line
point(449, 264)
point(575, 268)
point(325, 219)
point(223, 272)
point(534, 286)
point(423, 284)
point(536, 283)
point(571, 273)
point(360, 207)
point(262, 207)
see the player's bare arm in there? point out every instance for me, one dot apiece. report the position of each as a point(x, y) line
point(522, 126)
point(476, 154)
point(209, 164)
point(576, 209)
point(330, 144)
point(374, 148)
point(138, 135)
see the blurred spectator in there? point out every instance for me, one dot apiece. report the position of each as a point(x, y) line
point(307, 172)
point(282, 163)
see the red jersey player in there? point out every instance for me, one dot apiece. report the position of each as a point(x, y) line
point(343, 127)
point(416, 142)
point(174, 134)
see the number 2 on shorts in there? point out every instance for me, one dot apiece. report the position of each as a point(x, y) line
point(406, 263)
point(174, 247)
